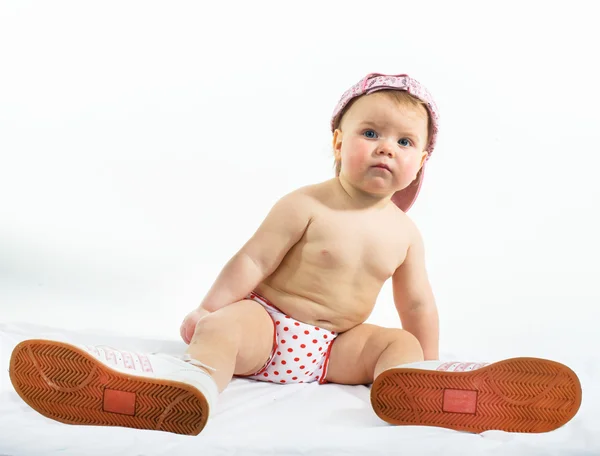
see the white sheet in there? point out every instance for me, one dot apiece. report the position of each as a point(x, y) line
point(255, 418)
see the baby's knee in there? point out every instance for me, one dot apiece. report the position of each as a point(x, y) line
point(408, 342)
point(215, 324)
point(236, 322)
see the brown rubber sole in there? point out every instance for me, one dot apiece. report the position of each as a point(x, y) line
point(69, 385)
point(513, 395)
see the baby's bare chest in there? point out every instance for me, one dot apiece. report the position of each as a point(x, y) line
point(355, 245)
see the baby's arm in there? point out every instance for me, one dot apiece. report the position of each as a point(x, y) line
point(414, 298)
point(261, 255)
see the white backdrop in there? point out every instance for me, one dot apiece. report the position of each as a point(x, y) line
point(143, 142)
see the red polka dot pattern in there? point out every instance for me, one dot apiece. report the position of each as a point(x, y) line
point(304, 345)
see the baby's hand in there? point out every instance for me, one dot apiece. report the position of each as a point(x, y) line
point(189, 323)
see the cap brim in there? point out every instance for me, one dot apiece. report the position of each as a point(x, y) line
point(406, 197)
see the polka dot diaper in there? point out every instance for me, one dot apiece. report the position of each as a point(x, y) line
point(300, 351)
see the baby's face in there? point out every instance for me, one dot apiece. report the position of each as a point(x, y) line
point(377, 130)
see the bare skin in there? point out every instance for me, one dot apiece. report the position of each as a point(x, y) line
point(330, 278)
point(342, 240)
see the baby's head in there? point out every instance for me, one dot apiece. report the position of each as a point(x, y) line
point(390, 120)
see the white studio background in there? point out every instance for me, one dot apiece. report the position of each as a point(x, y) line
point(143, 142)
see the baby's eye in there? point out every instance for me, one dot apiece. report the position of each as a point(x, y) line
point(370, 134)
point(404, 142)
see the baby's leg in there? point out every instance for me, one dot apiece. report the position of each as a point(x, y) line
point(359, 355)
point(236, 339)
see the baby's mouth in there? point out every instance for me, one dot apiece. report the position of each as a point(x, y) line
point(382, 167)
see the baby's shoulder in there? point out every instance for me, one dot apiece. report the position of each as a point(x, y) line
point(312, 194)
point(410, 229)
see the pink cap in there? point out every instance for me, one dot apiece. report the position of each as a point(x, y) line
point(373, 82)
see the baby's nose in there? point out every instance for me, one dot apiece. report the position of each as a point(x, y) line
point(385, 147)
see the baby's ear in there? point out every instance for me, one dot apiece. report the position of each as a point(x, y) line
point(337, 143)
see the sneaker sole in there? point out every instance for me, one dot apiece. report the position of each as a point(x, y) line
point(69, 385)
point(513, 395)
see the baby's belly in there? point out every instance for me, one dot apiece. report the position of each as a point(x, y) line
point(331, 305)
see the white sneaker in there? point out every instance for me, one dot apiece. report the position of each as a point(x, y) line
point(103, 386)
point(513, 395)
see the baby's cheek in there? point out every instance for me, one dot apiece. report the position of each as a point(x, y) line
point(410, 167)
point(357, 160)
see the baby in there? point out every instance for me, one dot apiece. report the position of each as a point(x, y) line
point(291, 305)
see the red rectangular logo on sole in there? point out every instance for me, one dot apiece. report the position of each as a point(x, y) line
point(460, 401)
point(122, 402)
